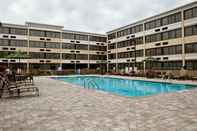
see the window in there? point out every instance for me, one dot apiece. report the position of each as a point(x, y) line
point(53, 34)
point(18, 31)
point(37, 33)
point(191, 48)
point(191, 30)
point(4, 30)
point(68, 46)
point(178, 33)
point(68, 56)
point(195, 12)
point(52, 45)
point(112, 56)
point(37, 55)
point(178, 17)
point(147, 26)
point(81, 57)
point(123, 44)
point(190, 13)
point(122, 33)
point(81, 47)
point(112, 46)
point(158, 51)
point(68, 36)
point(195, 30)
point(98, 48)
point(158, 23)
point(139, 53)
point(112, 36)
point(171, 50)
point(36, 44)
point(165, 36)
point(123, 55)
point(188, 31)
point(98, 39)
point(172, 34)
point(132, 54)
point(174, 18)
point(81, 37)
point(172, 65)
point(18, 43)
point(4, 42)
point(135, 29)
point(179, 49)
point(52, 56)
point(163, 21)
point(139, 40)
point(98, 57)
point(191, 65)
point(147, 39)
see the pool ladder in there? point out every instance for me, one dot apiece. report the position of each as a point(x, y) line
point(88, 82)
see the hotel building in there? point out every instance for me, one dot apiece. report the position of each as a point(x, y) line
point(51, 47)
point(170, 38)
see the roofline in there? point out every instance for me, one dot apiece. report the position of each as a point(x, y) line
point(148, 18)
point(82, 32)
point(61, 28)
point(34, 24)
point(13, 25)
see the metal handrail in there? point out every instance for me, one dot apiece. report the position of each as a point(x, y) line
point(84, 84)
point(90, 81)
point(94, 83)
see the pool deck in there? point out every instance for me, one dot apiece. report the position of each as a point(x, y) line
point(65, 107)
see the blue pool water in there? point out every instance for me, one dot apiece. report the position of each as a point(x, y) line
point(124, 87)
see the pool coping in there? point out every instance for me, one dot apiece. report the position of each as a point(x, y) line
point(186, 82)
point(129, 78)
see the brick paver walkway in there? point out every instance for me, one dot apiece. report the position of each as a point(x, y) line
point(61, 107)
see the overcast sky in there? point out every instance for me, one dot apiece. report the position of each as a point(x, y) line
point(97, 16)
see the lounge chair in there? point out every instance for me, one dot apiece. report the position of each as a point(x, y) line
point(168, 75)
point(12, 87)
point(131, 73)
point(21, 79)
point(194, 78)
point(1, 88)
point(183, 75)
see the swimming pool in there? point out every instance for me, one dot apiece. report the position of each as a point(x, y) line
point(124, 87)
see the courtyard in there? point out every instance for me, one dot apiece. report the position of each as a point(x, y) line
point(65, 107)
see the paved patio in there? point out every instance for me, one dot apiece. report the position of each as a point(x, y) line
point(61, 107)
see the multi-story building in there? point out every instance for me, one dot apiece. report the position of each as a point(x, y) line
point(170, 38)
point(51, 47)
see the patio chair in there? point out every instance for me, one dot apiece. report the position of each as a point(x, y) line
point(23, 79)
point(183, 75)
point(168, 75)
point(131, 73)
point(194, 78)
point(11, 88)
point(1, 88)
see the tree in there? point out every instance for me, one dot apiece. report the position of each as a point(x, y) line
point(3, 54)
point(150, 60)
point(18, 55)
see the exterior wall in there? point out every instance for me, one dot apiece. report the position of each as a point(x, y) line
point(179, 24)
point(46, 48)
